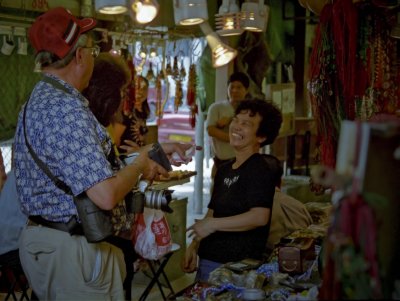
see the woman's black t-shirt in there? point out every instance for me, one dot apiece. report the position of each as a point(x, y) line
point(237, 191)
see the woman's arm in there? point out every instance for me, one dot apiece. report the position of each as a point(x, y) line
point(255, 217)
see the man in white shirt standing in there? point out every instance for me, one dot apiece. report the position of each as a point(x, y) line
point(220, 115)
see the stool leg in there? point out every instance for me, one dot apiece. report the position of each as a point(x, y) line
point(9, 284)
point(168, 283)
point(20, 278)
point(156, 275)
point(154, 272)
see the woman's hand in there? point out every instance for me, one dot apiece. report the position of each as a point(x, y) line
point(201, 228)
point(189, 262)
point(179, 148)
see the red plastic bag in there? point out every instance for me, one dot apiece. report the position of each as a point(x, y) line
point(152, 237)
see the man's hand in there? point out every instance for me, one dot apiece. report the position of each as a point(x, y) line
point(150, 168)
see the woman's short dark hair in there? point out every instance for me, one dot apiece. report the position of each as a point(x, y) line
point(110, 74)
point(240, 77)
point(271, 117)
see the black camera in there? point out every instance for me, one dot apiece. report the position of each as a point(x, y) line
point(143, 197)
point(156, 199)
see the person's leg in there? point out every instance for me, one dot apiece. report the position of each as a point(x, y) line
point(205, 268)
point(130, 256)
point(59, 266)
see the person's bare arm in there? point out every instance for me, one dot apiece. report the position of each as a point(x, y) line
point(217, 133)
point(108, 193)
point(189, 262)
point(251, 219)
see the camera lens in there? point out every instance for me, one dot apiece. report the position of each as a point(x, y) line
point(158, 199)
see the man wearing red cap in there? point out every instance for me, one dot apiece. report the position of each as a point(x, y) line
point(72, 144)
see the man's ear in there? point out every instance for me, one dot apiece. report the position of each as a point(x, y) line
point(79, 55)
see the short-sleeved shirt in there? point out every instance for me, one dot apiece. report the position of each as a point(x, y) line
point(12, 220)
point(236, 191)
point(222, 150)
point(67, 137)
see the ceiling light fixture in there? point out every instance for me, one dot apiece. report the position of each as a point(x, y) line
point(115, 49)
point(255, 16)
point(111, 7)
point(144, 10)
point(228, 19)
point(190, 12)
point(221, 54)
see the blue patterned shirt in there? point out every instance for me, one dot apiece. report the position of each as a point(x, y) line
point(67, 137)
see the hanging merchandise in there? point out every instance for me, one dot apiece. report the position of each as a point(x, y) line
point(168, 68)
point(159, 111)
point(351, 270)
point(191, 95)
point(353, 70)
point(150, 72)
point(178, 95)
point(385, 69)
point(175, 69)
point(182, 72)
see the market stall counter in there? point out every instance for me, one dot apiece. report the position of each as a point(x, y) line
point(290, 272)
point(251, 280)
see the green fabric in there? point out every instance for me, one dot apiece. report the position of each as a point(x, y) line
point(17, 80)
point(280, 33)
point(206, 87)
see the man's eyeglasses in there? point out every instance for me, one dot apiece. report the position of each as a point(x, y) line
point(95, 50)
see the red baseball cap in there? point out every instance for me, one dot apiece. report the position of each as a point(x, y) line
point(57, 31)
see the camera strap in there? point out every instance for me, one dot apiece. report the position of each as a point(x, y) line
point(72, 226)
point(59, 183)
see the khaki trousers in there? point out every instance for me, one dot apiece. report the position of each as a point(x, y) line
point(64, 267)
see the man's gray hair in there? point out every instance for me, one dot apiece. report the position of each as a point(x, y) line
point(47, 59)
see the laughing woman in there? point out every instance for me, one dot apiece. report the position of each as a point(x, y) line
point(237, 222)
